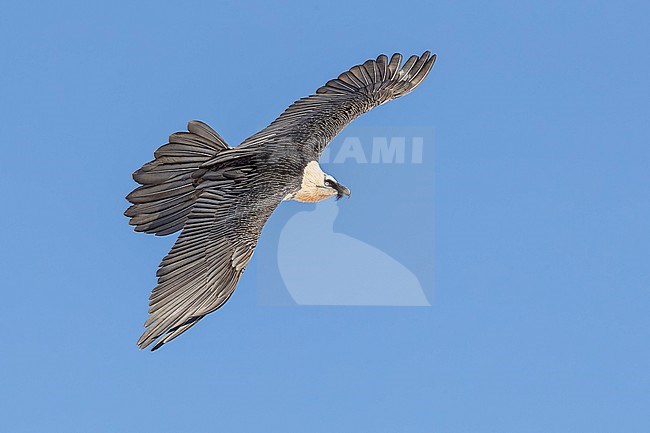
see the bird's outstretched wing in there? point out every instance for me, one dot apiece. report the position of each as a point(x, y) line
point(203, 267)
point(316, 119)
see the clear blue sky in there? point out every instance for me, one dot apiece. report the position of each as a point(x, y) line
point(540, 320)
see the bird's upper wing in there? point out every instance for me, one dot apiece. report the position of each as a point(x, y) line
point(316, 119)
point(203, 267)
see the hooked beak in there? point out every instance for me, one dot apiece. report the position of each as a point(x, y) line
point(341, 191)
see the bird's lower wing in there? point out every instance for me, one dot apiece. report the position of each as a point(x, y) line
point(203, 267)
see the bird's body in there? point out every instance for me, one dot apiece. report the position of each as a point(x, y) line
point(221, 196)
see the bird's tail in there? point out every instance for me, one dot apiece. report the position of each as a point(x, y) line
point(163, 202)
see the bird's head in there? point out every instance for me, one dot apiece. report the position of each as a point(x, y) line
point(317, 185)
point(335, 187)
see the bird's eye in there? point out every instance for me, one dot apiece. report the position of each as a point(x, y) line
point(329, 182)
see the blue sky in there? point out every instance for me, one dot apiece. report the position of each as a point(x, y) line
point(539, 320)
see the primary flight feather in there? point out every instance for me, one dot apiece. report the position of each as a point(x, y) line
point(220, 196)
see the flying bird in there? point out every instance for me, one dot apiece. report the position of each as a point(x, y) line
point(220, 197)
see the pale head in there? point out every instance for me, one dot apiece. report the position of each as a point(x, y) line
point(317, 185)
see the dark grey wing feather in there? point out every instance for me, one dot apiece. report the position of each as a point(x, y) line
point(316, 119)
point(203, 267)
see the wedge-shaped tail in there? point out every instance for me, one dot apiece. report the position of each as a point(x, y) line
point(161, 205)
